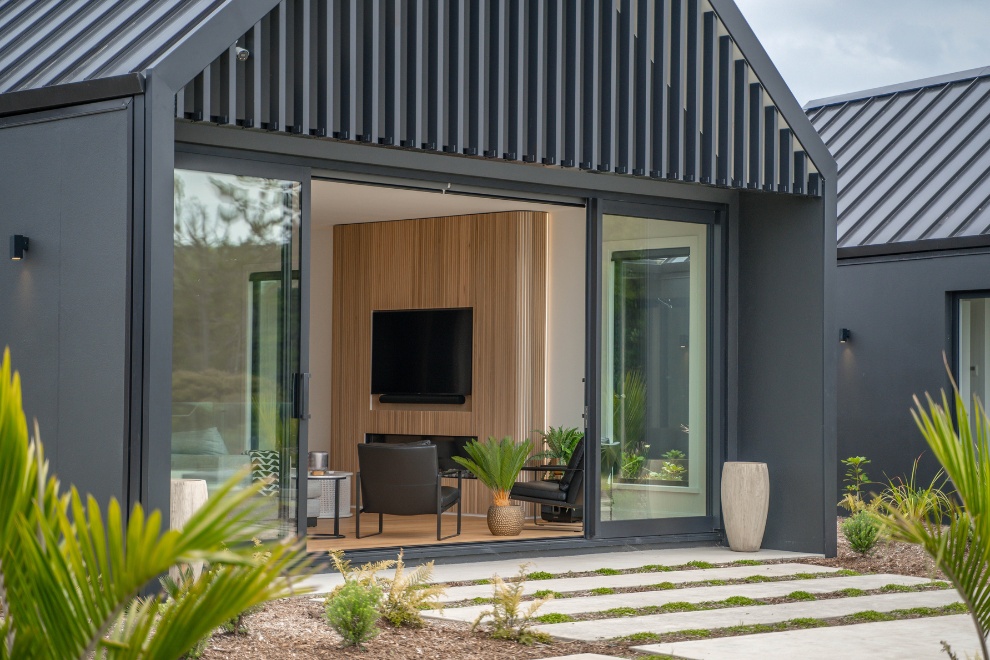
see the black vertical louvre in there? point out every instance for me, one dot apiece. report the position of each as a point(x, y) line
point(643, 87)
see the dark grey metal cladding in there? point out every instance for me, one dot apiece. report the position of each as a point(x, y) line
point(914, 159)
point(574, 83)
point(44, 43)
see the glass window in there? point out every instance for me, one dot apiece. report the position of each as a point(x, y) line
point(655, 347)
point(235, 334)
point(974, 348)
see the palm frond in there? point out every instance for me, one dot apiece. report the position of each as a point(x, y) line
point(496, 464)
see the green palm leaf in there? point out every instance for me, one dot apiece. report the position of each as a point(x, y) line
point(954, 529)
point(70, 576)
point(496, 463)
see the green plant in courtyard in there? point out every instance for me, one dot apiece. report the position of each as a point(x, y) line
point(700, 564)
point(555, 617)
point(496, 464)
point(607, 571)
point(353, 611)
point(540, 575)
point(632, 465)
point(70, 573)
point(953, 530)
point(861, 530)
point(602, 591)
point(510, 618)
point(854, 481)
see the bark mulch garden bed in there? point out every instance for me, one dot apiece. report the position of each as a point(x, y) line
point(295, 628)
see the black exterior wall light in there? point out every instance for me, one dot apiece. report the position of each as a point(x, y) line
point(844, 336)
point(18, 246)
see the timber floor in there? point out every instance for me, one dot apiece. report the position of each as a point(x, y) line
point(409, 531)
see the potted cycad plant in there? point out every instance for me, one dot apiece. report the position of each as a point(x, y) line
point(497, 463)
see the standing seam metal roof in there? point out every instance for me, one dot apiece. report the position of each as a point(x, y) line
point(914, 159)
point(54, 42)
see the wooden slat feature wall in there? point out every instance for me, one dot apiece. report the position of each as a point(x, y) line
point(567, 83)
point(494, 263)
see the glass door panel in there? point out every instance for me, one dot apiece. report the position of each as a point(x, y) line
point(653, 418)
point(236, 332)
point(973, 351)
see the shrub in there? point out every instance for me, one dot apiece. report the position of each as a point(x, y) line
point(403, 595)
point(861, 530)
point(855, 480)
point(352, 611)
point(509, 619)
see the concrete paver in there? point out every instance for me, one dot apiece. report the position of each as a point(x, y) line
point(918, 639)
point(693, 595)
point(619, 560)
point(734, 616)
point(640, 579)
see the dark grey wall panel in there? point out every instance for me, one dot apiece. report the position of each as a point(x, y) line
point(898, 313)
point(67, 188)
point(781, 377)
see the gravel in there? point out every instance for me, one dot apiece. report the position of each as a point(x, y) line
point(295, 628)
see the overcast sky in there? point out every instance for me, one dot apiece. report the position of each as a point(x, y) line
point(829, 47)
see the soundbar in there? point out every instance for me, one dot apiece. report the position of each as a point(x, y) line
point(453, 399)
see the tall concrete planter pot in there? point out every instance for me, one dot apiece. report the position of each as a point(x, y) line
point(745, 501)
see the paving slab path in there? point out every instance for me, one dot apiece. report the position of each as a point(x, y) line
point(587, 583)
point(619, 560)
point(733, 616)
point(637, 599)
point(917, 639)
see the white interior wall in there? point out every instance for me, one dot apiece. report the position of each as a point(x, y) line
point(337, 203)
point(320, 329)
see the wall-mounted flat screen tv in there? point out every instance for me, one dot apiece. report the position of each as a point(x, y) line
point(417, 354)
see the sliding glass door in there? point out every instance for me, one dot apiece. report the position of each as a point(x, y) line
point(653, 416)
point(236, 337)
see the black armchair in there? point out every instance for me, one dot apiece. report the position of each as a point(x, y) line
point(402, 480)
point(565, 493)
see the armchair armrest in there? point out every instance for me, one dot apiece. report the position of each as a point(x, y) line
point(550, 468)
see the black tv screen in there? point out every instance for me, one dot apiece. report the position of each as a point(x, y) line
point(421, 352)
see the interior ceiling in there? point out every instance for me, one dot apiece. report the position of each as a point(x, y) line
point(337, 203)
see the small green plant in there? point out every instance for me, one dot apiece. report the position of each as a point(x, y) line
point(542, 593)
point(602, 591)
point(539, 575)
point(693, 633)
point(480, 600)
point(861, 530)
point(671, 471)
point(607, 571)
point(757, 578)
point(620, 611)
point(640, 637)
point(352, 611)
point(679, 606)
point(806, 576)
point(851, 593)
point(509, 618)
point(673, 454)
point(747, 562)
point(663, 586)
point(751, 629)
point(739, 601)
point(846, 572)
point(555, 617)
point(892, 588)
point(656, 568)
point(800, 595)
point(715, 583)
point(806, 622)
point(855, 480)
point(871, 615)
point(482, 582)
point(632, 465)
point(700, 564)
point(559, 443)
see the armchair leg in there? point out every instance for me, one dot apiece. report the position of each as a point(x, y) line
point(357, 511)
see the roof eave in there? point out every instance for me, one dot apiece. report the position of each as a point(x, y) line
point(60, 96)
point(773, 82)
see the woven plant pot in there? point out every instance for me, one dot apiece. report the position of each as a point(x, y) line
point(505, 520)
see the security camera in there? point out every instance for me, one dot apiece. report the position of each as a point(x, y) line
point(242, 54)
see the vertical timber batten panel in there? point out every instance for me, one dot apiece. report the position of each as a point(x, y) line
point(494, 263)
point(652, 88)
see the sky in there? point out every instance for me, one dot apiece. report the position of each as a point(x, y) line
point(828, 47)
